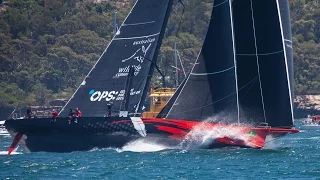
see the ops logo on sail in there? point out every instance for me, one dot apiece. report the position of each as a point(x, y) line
point(103, 95)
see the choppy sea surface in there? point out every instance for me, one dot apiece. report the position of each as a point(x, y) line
point(295, 156)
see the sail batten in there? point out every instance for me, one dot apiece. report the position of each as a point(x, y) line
point(261, 54)
point(208, 73)
point(141, 23)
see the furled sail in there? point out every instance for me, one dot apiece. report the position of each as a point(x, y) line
point(136, 44)
point(263, 66)
point(211, 86)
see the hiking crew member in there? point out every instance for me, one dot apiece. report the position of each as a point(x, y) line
point(109, 109)
point(71, 116)
point(78, 114)
point(29, 113)
point(55, 115)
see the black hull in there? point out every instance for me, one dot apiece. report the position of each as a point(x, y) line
point(113, 132)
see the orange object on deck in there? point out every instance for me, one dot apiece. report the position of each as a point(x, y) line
point(159, 98)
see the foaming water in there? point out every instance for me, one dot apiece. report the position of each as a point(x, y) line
point(203, 135)
point(271, 143)
point(6, 153)
point(144, 145)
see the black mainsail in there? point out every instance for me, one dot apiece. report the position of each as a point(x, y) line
point(244, 70)
point(262, 62)
point(136, 44)
point(211, 86)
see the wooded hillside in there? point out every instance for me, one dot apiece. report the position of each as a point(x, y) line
point(48, 46)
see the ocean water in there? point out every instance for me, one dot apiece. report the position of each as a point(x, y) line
point(294, 156)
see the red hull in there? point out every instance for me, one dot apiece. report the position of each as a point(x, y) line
point(234, 135)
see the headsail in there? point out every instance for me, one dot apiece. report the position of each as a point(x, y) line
point(136, 44)
point(211, 86)
point(262, 63)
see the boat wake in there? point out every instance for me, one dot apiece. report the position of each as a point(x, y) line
point(144, 145)
point(2, 153)
point(271, 143)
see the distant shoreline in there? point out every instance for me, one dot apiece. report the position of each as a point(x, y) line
point(305, 105)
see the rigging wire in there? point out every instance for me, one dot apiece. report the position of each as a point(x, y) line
point(256, 48)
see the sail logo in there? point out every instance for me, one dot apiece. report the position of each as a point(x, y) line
point(145, 41)
point(110, 95)
point(138, 56)
point(99, 95)
point(125, 71)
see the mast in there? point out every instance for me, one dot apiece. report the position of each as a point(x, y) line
point(176, 61)
point(115, 26)
point(235, 61)
point(157, 50)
